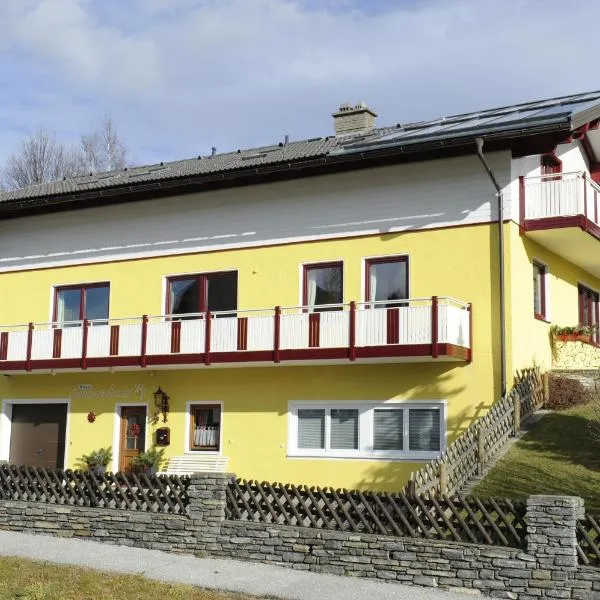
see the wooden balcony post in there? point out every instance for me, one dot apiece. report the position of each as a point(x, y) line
point(4, 345)
point(207, 333)
point(84, 343)
point(352, 331)
point(143, 360)
point(434, 326)
point(277, 334)
point(29, 346)
point(480, 450)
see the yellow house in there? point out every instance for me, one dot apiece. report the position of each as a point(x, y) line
point(332, 311)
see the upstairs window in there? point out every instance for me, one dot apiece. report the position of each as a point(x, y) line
point(539, 290)
point(323, 286)
point(589, 310)
point(192, 294)
point(386, 279)
point(79, 302)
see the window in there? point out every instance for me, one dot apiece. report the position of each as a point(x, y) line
point(367, 429)
point(589, 310)
point(386, 279)
point(79, 302)
point(551, 164)
point(539, 291)
point(194, 294)
point(205, 427)
point(323, 285)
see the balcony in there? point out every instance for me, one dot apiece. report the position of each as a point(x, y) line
point(562, 212)
point(420, 330)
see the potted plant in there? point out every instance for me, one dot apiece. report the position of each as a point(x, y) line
point(97, 460)
point(581, 333)
point(148, 462)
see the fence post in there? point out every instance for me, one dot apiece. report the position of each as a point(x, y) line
point(481, 450)
point(546, 384)
point(443, 479)
point(517, 414)
point(208, 500)
point(411, 487)
point(552, 533)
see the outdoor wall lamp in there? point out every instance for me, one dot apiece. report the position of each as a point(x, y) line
point(161, 402)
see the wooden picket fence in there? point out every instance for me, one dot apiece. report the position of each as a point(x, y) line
point(127, 491)
point(588, 536)
point(478, 521)
point(468, 455)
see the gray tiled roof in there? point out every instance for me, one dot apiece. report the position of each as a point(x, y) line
point(510, 118)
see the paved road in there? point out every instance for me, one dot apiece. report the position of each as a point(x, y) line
point(228, 575)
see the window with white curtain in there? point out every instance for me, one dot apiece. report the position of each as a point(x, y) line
point(323, 286)
point(396, 430)
point(205, 427)
point(387, 279)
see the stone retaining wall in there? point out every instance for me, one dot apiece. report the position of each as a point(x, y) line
point(547, 568)
point(128, 528)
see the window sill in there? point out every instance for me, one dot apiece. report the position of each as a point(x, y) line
point(380, 456)
point(200, 451)
point(542, 318)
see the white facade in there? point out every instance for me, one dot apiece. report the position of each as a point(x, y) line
point(415, 196)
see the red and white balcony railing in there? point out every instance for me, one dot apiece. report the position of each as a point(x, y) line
point(430, 327)
point(559, 195)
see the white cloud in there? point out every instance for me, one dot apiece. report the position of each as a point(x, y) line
point(182, 75)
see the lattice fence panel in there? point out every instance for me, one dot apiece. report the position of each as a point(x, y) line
point(127, 491)
point(490, 521)
point(464, 458)
point(588, 537)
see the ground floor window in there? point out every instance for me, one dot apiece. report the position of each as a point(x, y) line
point(367, 429)
point(205, 427)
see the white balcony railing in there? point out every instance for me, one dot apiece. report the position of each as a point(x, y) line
point(560, 195)
point(234, 336)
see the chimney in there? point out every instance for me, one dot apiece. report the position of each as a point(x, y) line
point(353, 119)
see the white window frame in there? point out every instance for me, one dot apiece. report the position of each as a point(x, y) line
point(188, 415)
point(365, 429)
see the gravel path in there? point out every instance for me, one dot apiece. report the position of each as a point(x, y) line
point(227, 575)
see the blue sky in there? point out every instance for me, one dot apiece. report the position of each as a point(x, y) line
point(180, 76)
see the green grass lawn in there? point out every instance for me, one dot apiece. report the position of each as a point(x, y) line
point(557, 456)
point(29, 580)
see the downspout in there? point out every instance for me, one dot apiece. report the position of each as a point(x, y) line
point(479, 143)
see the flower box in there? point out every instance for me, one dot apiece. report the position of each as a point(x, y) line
point(574, 337)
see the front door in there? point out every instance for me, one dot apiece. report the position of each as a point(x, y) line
point(37, 437)
point(133, 435)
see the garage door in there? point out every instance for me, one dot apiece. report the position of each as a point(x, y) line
point(37, 437)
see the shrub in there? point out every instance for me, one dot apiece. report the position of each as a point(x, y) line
point(565, 392)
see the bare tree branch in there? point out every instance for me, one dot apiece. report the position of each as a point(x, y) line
point(103, 149)
point(41, 158)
